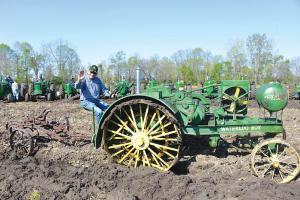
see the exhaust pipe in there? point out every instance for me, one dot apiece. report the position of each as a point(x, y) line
point(138, 81)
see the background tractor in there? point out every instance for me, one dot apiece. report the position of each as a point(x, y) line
point(67, 90)
point(151, 129)
point(210, 89)
point(40, 90)
point(5, 90)
point(179, 85)
point(155, 89)
point(122, 89)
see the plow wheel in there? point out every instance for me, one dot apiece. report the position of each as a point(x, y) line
point(275, 159)
point(21, 142)
point(142, 133)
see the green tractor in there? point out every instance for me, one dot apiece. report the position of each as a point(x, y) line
point(66, 91)
point(152, 129)
point(153, 88)
point(210, 89)
point(40, 90)
point(122, 89)
point(5, 90)
point(179, 85)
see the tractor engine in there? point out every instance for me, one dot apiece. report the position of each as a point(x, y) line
point(191, 110)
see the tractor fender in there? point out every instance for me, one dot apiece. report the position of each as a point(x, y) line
point(98, 134)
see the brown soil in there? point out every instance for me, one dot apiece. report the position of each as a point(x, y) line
point(58, 171)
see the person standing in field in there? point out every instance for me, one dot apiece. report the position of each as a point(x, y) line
point(15, 90)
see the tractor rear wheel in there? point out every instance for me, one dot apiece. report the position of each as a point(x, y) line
point(275, 159)
point(142, 133)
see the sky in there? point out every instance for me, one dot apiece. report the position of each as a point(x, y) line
point(97, 29)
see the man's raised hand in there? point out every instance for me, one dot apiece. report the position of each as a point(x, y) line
point(81, 75)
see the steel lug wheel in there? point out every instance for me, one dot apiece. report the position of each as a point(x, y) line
point(141, 133)
point(275, 159)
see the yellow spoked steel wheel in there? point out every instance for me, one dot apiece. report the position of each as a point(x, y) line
point(142, 133)
point(275, 159)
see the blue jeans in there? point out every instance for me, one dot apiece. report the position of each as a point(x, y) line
point(16, 95)
point(98, 105)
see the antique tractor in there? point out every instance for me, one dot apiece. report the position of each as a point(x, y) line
point(179, 85)
point(154, 89)
point(210, 89)
point(150, 129)
point(122, 89)
point(67, 90)
point(5, 90)
point(40, 90)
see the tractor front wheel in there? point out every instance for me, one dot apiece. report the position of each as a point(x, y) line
point(275, 159)
point(142, 133)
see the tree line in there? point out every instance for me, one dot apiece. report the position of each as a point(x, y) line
point(55, 61)
point(254, 59)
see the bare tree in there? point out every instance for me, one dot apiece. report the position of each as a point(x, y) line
point(118, 62)
point(260, 51)
point(167, 70)
point(295, 67)
point(25, 53)
point(63, 58)
point(7, 59)
point(132, 63)
point(281, 69)
point(237, 56)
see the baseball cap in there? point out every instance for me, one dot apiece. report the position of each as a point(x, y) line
point(93, 69)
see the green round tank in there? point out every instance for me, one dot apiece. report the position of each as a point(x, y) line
point(272, 96)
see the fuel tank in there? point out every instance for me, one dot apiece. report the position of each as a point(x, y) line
point(272, 96)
